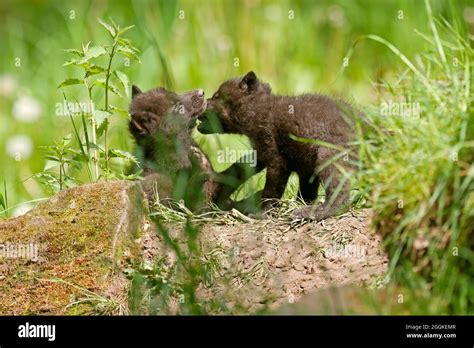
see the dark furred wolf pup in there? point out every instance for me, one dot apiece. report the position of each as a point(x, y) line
point(246, 106)
point(161, 122)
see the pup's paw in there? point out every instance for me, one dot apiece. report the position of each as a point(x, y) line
point(201, 158)
point(262, 215)
point(311, 213)
point(302, 213)
point(256, 216)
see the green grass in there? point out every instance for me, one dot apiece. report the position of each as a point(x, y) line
point(300, 55)
point(419, 174)
point(416, 172)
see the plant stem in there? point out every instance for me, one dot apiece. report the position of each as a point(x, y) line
point(61, 170)
point(79, 138)
point(94, 139)
point(6, 197)
point(106, 107)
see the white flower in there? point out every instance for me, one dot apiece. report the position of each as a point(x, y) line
point(22, 209)
point(223, 43)
point(273, 13)
point(26, 109)
point(7, 85)
point(19, 147)
point(336, 16)
point(469, 14)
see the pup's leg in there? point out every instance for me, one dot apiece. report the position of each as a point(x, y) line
point(337, 189)
point(204, 180)
point(277, 177)
point(308, 189)
point(156, 185)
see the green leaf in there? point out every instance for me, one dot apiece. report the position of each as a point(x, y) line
point(52, 158)
point(92, 52)
point(89, 53)
point(66, 140)
point(318, 142)
point(100, 115)
point(74, 51)
point(116, 27)
point(4, 198)
point(102, 121)
point(112, 88)
point(70, 82)
point(48, 180)
point(2, 202)
point(95, 146)
point(115, 153)
point(123, 78)
point(100, 83)
point(128, 43)
point(128, 52)
point(120, 111)
point(133, 176)
point(74, 152)
point(121, 31)
point(94, 70)
point(82, 157)
point(74, 61)
point(108, 27)
point(50, 165)
point(102, 127)
point(86, 47)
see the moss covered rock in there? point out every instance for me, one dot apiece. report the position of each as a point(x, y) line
point(68, 255)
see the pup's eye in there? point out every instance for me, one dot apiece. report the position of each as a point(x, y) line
point(215, 96)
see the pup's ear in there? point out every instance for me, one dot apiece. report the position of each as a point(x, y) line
point(266, 88)
point(249, 81)
point(136, 91)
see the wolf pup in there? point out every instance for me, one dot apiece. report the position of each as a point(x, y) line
point(161, 122)
point(246, 106)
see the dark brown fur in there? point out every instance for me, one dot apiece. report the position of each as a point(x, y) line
point(161, 124)
point(246, 106)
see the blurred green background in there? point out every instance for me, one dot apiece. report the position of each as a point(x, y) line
point(297, 46)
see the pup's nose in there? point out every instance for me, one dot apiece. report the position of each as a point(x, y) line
point(200, 92)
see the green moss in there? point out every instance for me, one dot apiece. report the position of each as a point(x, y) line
point(78, 228)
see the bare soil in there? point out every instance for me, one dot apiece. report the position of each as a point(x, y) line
point(263, 264)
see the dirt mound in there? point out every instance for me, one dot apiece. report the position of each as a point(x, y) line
point(71, 254)
point(266, 263)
